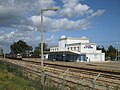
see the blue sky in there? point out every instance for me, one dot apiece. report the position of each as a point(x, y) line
point(96, 19)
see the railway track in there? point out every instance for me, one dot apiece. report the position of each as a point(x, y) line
point(87, 72)
point(75, 75)
point(86, 67)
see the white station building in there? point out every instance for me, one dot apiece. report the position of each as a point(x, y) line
point(76, 49)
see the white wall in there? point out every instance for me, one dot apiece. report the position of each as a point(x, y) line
point(72, 40)
point(74, 48)
point(64, 41)
point(102, 57)
point(95, 57)
point(62, 45)
point(53, 49)
point(45, 56)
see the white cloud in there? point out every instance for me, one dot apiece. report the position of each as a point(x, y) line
point(9, 16)
point(10, 35)
point(1, 33)
point(51, 39)
point(46, 4)
point(37, 38)
point(95, 14)
point(98, 13)
point(73, 8)
point(6, 37)
point(80, 10)
point(15, 14)
point(25, 28)
point(15, 35)
point(61, 24)
point(70, 3)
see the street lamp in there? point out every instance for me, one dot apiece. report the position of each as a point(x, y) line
point(42, 10)
point(117, 51)
point(42, 67)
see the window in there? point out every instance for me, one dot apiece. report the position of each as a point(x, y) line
point(95, 56)
point(65, 45)
point(78, 49)
point(74, 48)
point(88, 47)
point(68, 49)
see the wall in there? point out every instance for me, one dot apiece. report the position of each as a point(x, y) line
point(95, 57)
point(62, 44)
point(72, 40)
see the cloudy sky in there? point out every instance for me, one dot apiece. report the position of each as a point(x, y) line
point(98, 20)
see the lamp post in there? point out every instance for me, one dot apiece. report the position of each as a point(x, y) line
point(4, 50)
point(117, 54)
point(4, 54)
point(117, 51)
point(42, 67)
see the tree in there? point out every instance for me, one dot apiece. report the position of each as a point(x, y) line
point(20, 47)
point(111, 52)
point(103, 49)
point(38, 48)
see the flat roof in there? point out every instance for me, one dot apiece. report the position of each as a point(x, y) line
point(54, 47)
point(81, 44)
point(73, 38)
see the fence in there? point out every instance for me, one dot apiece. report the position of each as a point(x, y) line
point(55, 79)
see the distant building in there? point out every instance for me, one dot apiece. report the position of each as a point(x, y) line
point(76, 49)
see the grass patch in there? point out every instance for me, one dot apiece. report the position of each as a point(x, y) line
point(10, 81)
point(12, 78)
